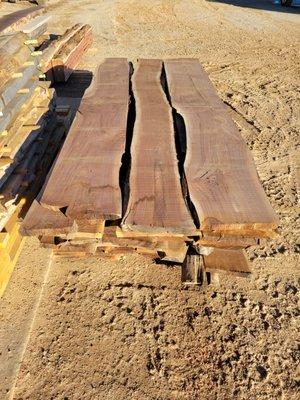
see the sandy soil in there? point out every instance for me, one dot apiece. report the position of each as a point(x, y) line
point(128, 330)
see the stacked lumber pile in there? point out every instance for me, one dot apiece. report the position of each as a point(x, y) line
point(160, 170)
point(32, 128)
point(62, 55)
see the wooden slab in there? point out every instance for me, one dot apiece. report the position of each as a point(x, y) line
point(54, 47)
point(85, 179)
point(220, 173)
point(156, 204)
point(67, 58)
point(43, 221)
point(227, 260)
point(36, 27)
point(13, 21)
point(227, 241)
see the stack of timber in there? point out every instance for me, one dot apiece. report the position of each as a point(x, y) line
point(62, 55)
point(32, 128)
point(154, 164)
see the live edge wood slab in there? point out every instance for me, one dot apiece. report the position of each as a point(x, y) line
point(156, 167)
point(219, 169)
point(84, 183)
point(156, 204)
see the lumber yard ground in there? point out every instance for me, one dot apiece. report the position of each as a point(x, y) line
point(128, 330)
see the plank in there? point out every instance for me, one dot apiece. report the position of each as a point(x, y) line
point(36, 27)
point(8, 262)
point(29, 118)
point(11, 22)
point(68, 56)
point(33, 167)
point(43, 221)
point(227, 241)
point(192, 270)
point(11, 87)
point(55, 45)
point(156, 204)
point(227, 260)
point(12, 109)
point(85, 179)
point(220, 173)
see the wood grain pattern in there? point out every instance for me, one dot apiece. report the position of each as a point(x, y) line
point(156, 203)
point(86, 175)
point(220, 172)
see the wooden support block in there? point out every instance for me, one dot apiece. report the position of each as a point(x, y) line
point(192, 271)
point(227, 260)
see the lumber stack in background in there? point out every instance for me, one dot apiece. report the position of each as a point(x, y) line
point(32, 126)
point(62, 55)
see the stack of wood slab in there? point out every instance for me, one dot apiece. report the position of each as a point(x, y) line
point(158, 169)
point(31, 128)
point(62, 55)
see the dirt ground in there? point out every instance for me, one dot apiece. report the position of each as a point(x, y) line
point(128, 330)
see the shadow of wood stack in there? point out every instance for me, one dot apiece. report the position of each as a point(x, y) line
point(32, 126)
point(154, 164)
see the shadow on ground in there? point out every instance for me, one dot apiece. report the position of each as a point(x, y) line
point(71, 92)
